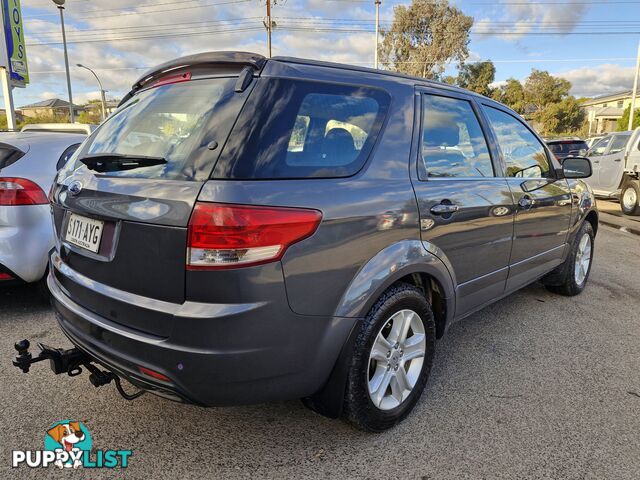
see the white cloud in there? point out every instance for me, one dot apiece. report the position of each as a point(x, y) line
point(598, 80)
point(521, 18)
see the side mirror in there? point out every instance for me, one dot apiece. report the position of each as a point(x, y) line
point(576, 167)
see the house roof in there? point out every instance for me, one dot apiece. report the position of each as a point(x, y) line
point(609, 112)
point(50, 103)
point(607, 97)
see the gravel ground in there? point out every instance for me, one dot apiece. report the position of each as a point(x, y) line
point(535, 386)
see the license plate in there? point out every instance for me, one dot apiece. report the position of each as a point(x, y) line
point(84, 232)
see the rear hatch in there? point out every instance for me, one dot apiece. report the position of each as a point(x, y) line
point(122, 203)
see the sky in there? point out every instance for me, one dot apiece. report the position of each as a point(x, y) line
point(121, 39)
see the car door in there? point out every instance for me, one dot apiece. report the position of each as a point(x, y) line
point(611, 164)
point(542, 201)
point(466, 208)
point(595, 154)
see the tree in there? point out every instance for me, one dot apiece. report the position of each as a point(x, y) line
point(511, 94)
point(563, 117)
point(541, 88)
point(477, 77)
point(90, 116)
point(424, 37)
point(623, 123)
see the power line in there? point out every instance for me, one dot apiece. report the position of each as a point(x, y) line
point(125, 11)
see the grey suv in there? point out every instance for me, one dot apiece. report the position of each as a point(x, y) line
point(244, 230)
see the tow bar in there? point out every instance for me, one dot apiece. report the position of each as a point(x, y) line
point(70, 362)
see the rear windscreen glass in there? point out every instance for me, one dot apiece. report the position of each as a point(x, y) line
point(567, 147)
point(300, 129)
point(172, 122)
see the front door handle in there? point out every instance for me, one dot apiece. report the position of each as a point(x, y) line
point(617, 159)
point(444, 208)
point(525, 202)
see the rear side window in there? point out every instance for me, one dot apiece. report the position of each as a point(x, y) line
point(453, 144)
point(9, 155)
point(299, 129)
point(523, 154)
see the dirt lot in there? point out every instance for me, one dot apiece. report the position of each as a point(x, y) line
point(535, 386)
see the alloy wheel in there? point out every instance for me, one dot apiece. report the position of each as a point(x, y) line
point(583, 259)
point(396, 359)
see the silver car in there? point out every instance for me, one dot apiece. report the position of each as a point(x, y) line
point(28, 163)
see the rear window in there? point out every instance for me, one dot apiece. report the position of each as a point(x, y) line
point(174, 122)
point(565, 148)
point(300, 129)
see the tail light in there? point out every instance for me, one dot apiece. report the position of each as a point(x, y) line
point(227, 236)
point(5, 276)
point(20, 191)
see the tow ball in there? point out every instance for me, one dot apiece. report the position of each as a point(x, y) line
point(70, 362)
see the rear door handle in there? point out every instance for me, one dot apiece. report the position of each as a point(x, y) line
point(444, 208)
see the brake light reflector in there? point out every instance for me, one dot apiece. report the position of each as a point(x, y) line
point(154, 374)
point(5, 276)
point(226, 235)
point(20, 191)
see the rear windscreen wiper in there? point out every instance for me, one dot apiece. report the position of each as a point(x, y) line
point(113, 162)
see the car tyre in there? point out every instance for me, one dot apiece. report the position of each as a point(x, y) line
point(400, 305)
point(630, 198)
point(570, 278)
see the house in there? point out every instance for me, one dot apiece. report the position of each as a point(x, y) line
point(52, 107)
point(110, 105)
point(603, 112)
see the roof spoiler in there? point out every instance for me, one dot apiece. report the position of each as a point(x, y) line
point(253, 61)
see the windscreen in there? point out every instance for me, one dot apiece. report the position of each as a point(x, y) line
point(172, 122)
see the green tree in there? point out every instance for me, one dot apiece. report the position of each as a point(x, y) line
point(561, 118)
point(477, 77)
point(511, 94)
point(424, 37)
point(623, 123)
point(541, 88)
point(90, 116)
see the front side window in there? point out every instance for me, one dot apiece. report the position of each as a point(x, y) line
point(453, 144)
point(600, 147)
point(523, 154)
point(619, 143)
point(302, 129)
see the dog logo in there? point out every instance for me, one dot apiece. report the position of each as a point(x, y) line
point(75, 187)
point(70, 437)
point(68, 444)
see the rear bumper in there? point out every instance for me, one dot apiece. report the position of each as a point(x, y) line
point(26, 236)
point(290, 362)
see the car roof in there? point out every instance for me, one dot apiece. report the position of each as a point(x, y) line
point(23, 140)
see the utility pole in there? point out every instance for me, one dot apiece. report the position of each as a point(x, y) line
point(8, 99)
point(377, 2)
point(60, 5)
point(269, 24)
point(635, 89)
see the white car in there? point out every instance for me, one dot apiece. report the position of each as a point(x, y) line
point(28, 163)
point(616, 169)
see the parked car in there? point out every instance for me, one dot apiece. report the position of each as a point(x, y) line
point(591, 141)
point(616, 169)
point(309, 232)
point(28, 163)
point(81, 128)
point(565, 147)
